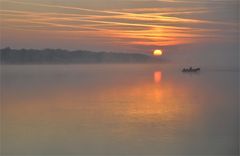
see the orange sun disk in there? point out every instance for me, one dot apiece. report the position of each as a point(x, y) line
point(157, 52)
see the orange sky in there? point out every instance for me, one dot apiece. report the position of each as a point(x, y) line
point(125, 25)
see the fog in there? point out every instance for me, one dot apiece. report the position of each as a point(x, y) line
point(211, 55)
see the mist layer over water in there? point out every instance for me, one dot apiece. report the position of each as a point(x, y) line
point(118, 110)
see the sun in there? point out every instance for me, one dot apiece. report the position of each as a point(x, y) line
point(157, 52)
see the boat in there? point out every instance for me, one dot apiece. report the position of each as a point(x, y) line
point(191, 69)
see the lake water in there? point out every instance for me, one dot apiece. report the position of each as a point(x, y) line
point(112, 109)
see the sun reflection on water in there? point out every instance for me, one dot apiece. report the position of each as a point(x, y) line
point(157, 76)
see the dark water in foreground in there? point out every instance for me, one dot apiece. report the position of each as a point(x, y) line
point(118, 110)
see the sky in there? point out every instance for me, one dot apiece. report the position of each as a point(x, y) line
point(176, 26)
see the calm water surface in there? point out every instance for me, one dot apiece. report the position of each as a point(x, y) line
point(118, 110)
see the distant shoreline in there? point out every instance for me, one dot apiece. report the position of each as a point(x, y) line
point(59, 56)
